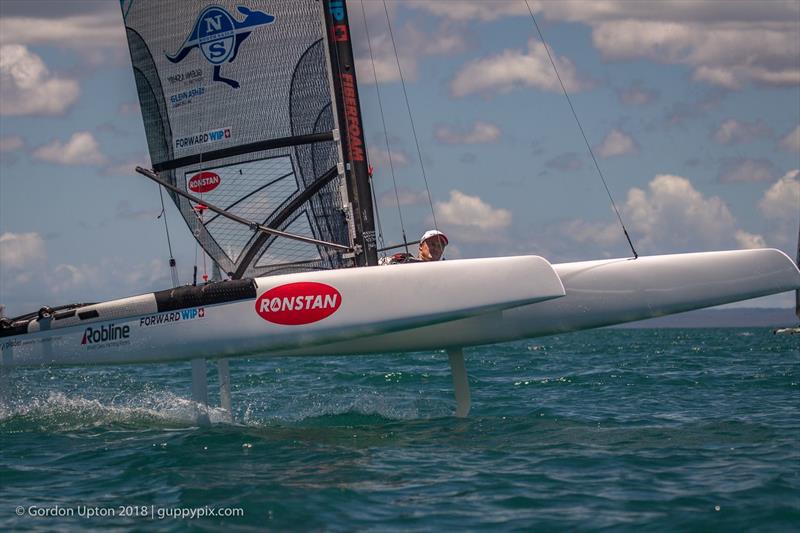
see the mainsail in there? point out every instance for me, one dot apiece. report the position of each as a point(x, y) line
point(244, 107)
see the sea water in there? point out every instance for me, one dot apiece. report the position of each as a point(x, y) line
point(620, 429)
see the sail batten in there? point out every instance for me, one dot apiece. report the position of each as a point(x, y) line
point(207, 157)
point(237, 104)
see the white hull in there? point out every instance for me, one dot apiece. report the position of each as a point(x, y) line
point(603, 293)
point(410, 307)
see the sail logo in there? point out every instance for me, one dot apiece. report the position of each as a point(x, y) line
point(300, 303)
point(186, 97)
point(339, 31)
point(337, 10)
point(219, 35)
point(353, 121)
point(105, 334)
point(204, 181)
point(219, 134)
point(170, 317)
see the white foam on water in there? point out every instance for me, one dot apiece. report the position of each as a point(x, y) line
point(63, 411)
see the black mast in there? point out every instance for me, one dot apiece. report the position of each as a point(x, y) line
point(351, 130)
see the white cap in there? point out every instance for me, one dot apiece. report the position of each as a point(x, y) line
point(433, 233)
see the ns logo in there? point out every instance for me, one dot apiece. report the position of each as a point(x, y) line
point(219, 35)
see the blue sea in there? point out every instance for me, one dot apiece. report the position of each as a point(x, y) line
point(623, 430)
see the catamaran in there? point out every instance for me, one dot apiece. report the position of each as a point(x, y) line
point(254, 128)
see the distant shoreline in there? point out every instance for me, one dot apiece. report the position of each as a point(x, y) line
point(720, 318)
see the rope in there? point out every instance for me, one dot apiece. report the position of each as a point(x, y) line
point(410, 117)
point(385, 131)
point(580, 127)
point(172, 267)
point(377, 216)
point(164, 214)
point(205, 267)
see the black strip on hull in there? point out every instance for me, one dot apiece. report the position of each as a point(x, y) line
point(19, 325)
point(9, 329)
point(198, 296)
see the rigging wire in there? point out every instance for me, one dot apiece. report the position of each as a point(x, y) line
point(172, 265)
point(385, 130)
point(201, 212)
point(377, 215)
point(410, 117)
point(194, 275)
point(580, 127)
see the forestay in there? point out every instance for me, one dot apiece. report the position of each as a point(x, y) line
point(237, 109)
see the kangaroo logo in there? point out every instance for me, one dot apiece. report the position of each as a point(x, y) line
point(219, 35)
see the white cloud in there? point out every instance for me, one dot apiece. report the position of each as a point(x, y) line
point(470, 218)
point(739, 169)
point(781, 201)
point(720, 77)
point(481, 132)
point(28, 86)
point(104, 280)
point(635, 94)
point(383, 64)
point(125, 167)
point(727, 44)
point(446, 39)
point(67, 277)
point(19, 251)
point(733, 131)
point(154, 273)
point(749, 240)
point(629, 39)
point(34, 281)
point(93, 34)
point(616, 143)
point(672, 214)
point(465, 10)
point(81, 149)
point(514, 69)
point(11, 143)
point(723, 53)
point(583, 232)
point(404, 197)
point(791, 142)
point(380, 158)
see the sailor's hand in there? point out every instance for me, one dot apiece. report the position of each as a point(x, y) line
point(395, 259)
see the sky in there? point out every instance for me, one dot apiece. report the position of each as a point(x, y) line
point(692, 110)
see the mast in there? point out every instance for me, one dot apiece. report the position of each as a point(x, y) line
point(348, 110)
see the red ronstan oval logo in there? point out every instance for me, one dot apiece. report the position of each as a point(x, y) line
point(204, 181)
point(294, 304)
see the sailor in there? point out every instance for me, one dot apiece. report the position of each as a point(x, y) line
point(431, 247)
